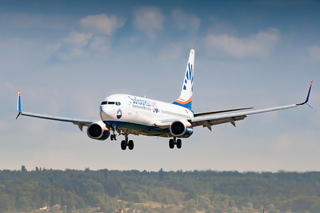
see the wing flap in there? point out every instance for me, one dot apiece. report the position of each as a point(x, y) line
point(232, 117)
point(222, 111)
point(217, 121)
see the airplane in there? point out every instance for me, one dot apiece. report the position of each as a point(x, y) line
point(123, 114)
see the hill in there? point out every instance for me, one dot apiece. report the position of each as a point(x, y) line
point(189, 191)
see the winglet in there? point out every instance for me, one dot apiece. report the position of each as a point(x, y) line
point(307, 99)
point(19, 105)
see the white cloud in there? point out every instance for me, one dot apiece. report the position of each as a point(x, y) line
point(99, 43)
point(75, 45)
point(80, 44)
point(76, 52)
point(256, 46)
point(177, 50)
point(78, 39)
point(102, 23)
point(314, 52)
point(53, 47)
point(149, 20)
point(182, 20)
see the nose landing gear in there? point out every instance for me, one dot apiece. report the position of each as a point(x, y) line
point(175, 141)
point(113, 136)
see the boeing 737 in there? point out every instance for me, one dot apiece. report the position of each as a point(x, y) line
point(123, 114)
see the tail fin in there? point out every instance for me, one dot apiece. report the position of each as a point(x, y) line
point(185, 98)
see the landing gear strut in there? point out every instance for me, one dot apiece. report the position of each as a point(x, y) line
point(113, 136)
point(175, 141)
point(125, 143)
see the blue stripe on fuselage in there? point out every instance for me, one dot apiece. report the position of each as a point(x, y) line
point(150, 130)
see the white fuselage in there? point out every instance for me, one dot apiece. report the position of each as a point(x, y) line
point(140, 114)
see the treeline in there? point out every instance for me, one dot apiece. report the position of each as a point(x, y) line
point(189, 191)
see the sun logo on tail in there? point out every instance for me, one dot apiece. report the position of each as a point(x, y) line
point(189, 77)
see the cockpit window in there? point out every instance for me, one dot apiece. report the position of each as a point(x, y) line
point(111, 103)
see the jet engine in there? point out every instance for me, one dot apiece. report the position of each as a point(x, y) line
point(181, 128)
point(98, 131)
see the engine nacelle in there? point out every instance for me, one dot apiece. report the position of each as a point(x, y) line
point(98, 131)
point(181, 129)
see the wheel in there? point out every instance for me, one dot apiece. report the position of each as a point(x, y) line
point(111, 137)
point(179, 143)
point(123, 145)
point(171, 143)
point(131, 145)
point(115, 137)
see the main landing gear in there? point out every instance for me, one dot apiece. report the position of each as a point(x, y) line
point(175, 141)
point(125, 143)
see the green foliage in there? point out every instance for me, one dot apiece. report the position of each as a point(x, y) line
point(6, 202)
point(191, 191)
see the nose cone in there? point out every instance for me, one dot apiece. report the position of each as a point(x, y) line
point(106, 113)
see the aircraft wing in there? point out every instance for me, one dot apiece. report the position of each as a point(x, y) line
point(208, 119)
point(79, 122)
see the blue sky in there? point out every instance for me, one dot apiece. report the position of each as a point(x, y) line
point(67, 56)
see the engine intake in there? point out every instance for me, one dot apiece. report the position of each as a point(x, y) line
point(177, 128)
point(98, 131)
point(181, 128)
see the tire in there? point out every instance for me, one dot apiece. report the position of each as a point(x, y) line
point(131, 145)
point(111, 137)
point(171, 143)
point(123, 145)
point(179, 143)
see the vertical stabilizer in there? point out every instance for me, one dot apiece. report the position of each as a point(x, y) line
point(185, 98)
